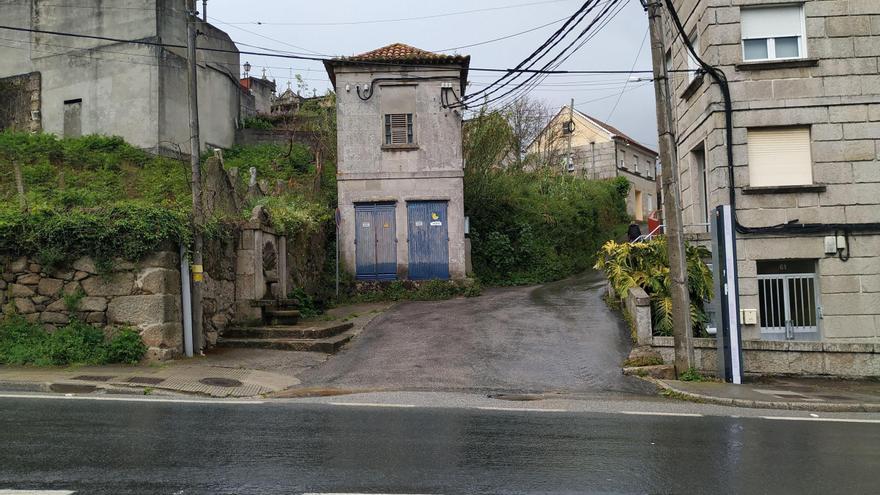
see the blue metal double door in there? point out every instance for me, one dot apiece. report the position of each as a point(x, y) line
point(428, 240)
point(375, 241)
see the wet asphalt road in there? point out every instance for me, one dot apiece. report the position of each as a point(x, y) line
point(173, 448)
point(558, 337)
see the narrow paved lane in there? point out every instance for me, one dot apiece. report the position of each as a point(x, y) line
point(559, 337)
point(117, 448)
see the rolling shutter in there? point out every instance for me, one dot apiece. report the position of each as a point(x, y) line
point(780, 157)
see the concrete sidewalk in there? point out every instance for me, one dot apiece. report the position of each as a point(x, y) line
point(804, 394)
point(219, 373)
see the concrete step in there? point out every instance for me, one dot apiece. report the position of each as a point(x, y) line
point(286, 332)
point(281, 316)
point(328, 345)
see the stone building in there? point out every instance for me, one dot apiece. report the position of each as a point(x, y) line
point(600, 151)
point(805, 87)
point(400, 168)
point(134, 90)
point(257, 96)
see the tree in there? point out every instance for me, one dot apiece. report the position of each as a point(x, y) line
point(527, 117)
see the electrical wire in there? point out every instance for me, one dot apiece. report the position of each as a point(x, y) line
point(402, 19)
point(315, 59)
point(493, 40)
point(635, 61)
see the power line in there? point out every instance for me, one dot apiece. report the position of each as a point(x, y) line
point(318, 59)
point(402, 19)
point(557, 21)
point(641, 45)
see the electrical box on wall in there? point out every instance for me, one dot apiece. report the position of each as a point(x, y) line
point(749, 316)
point(830, 244)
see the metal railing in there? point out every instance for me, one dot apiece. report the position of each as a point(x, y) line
point(788, 304)
point(650, 235)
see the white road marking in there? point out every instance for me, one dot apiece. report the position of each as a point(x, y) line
point(326, 493)
point(369, 404)
point(127, 399)
point(36, 492)
point(520, 409)
point(832, 420)
point(657, 413)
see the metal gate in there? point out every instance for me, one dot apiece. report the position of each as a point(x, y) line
point(375, 241)
point(788, 304)
point(428, 240)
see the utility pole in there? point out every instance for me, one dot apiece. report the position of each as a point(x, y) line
point(681, 305)
point(194, 152)
point(569, 162)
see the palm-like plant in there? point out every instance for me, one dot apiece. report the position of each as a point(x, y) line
point(646, 265)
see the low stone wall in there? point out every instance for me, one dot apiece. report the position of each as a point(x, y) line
point(638, 305)
point(143, 295)
point(769, 357)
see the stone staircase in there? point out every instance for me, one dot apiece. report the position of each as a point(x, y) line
point(280, 329)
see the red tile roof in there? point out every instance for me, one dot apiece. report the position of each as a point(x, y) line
point(398, 52)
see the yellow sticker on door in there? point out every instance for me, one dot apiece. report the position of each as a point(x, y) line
point(435, 216)
point(386, 225)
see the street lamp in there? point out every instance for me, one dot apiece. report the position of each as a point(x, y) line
point(247, 69)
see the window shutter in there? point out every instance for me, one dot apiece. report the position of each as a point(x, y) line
point(771, 22)
point(400, 125)
point(780, 157)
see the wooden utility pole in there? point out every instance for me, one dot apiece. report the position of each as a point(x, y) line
point(681, 304)
point(194, 152)
point(569, 161)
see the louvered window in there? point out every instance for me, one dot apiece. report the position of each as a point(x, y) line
point(398, 128)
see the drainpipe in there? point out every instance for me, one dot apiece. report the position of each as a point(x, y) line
point(186, 303)
point(205, 10)
point(593, 159)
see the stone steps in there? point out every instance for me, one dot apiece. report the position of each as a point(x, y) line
point(327, 345)
point(286, 332)
point(281, 316)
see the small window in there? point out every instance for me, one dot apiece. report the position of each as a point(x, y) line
point(779, 156)
point(773, 33)
point(648, 169)
point(636, 164)
point(693, 65)
point(398, 128)
point(622, 160)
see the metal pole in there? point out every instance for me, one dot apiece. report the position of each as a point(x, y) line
point(681, 314)
point(338, 219)
point(186, 303)
point(205, 10)
point(195, 148)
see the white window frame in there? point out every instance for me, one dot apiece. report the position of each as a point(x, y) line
point(692, 63)
point(771, 42)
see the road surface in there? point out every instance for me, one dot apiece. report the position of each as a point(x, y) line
point(284, 447)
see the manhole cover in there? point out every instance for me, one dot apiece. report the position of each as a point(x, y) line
point(71, 388)
point(93, 378)
point(220, 382)
point(147, 380)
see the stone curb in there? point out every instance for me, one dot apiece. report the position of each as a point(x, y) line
point(872, 407)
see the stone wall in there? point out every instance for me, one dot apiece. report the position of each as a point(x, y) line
point(786, 358)
point(143, 295)
point(835, 92)
point(20, 102)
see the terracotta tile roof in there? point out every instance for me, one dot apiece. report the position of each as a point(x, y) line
point(399, 52)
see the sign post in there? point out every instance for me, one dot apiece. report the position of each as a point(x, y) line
point(724, 267)
point(338, 221)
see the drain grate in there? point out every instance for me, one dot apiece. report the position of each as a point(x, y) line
point(93, 378)
point(220, 382)
point(146, 380)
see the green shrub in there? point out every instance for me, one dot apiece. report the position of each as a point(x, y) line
point(408, 290)
point(24, 343)
point(692, 375)
point(126, 346)
point(646, 265)
point(257, 123)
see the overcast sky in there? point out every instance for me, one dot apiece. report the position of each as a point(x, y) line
point(343, 27)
